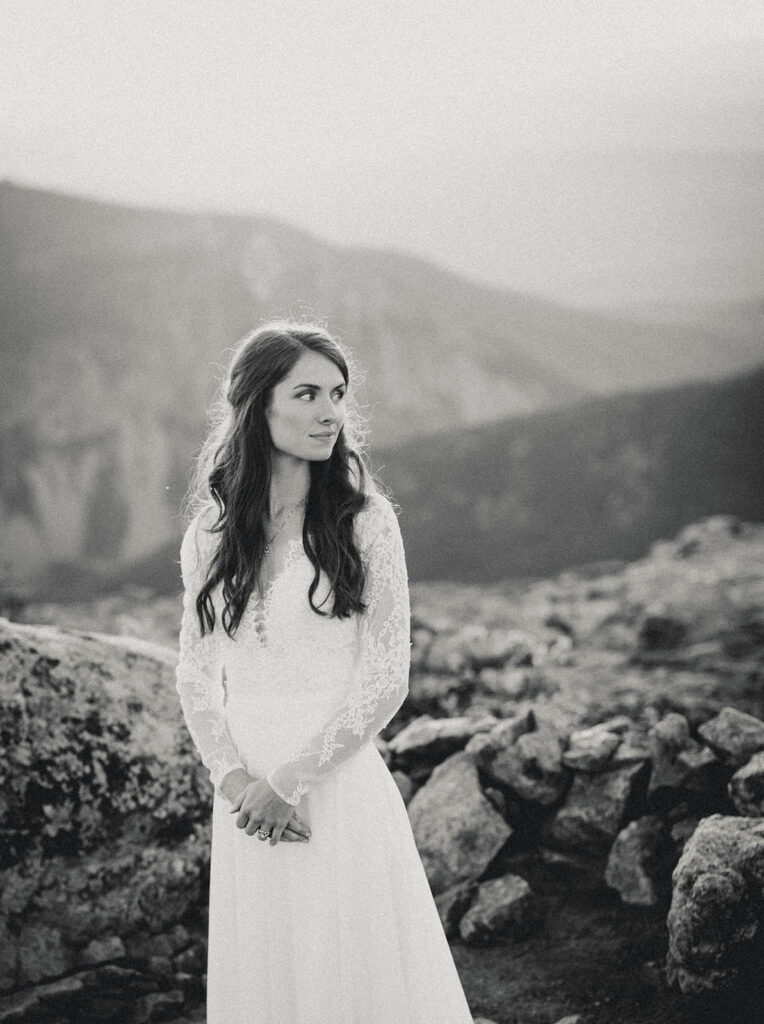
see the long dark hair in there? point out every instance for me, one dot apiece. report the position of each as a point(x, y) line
point(233, 479)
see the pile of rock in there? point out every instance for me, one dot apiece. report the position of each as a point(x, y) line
point(619, 798)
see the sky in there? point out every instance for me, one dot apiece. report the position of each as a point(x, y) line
point(467, 132)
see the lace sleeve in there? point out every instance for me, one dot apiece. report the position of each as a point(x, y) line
point(382, 663)
point(199, 673)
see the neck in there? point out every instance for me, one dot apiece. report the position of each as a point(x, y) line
point(290, 482)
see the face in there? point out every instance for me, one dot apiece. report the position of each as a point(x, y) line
point(307, 408)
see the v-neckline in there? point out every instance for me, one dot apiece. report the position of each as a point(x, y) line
point(261, 603)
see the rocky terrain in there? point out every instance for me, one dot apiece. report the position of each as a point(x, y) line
point(582, 759)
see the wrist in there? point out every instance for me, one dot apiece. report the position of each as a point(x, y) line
point(234, 782)
point(292, 799)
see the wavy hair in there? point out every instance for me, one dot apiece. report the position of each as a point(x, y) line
point(232, 479)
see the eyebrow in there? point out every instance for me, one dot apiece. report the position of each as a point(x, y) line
point(317, 387)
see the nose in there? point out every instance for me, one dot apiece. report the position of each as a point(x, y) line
point(328, 413)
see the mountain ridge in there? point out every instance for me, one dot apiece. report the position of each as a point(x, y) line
point(117, 322)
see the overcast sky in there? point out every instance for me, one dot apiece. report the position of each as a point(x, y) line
point(371, 121)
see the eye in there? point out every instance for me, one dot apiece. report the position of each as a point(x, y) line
point(306, 394)
point(339, 395)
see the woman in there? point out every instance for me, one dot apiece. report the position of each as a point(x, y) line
point(294, 653)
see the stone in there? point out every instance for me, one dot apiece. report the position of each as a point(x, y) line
point(676, 756)
point(734, 735)
point(434, 739)
point(746, 788)
point(593, 812)
point(453, 904)
point(101, 950)
point(633, 749)
point(457, 831)
point(525, 755)
point(42, 953)
point(590, 749)
point(635, 861)
point(716, 920)
point(404, 784)
point(503, 907)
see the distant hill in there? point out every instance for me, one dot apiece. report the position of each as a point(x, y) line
point(600, 481)
point(116, 320)
point(538, 494)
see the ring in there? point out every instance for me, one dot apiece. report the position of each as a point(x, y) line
point(262, 835)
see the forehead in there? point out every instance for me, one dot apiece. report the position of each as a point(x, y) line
point(313, 368)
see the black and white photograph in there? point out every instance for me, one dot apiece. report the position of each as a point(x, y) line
point(381, 512)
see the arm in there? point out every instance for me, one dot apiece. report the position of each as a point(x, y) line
point(382, 665)
point(198, 674)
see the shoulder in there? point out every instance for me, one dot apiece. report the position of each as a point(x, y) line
point(198, 544)
point(378, 516)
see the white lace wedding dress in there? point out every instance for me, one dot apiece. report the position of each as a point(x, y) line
point(342, 929)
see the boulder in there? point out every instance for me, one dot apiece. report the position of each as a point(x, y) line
point(639, 862)
point(525, 755)
point(434, 739)
point(594, 809)
point(502, 908)
point(716, 920)
point(106, 806)
point(746, 788)
point(678, 760)
point(457, 831)
point(734, 735)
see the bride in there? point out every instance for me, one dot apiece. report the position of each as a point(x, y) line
point(294, 654)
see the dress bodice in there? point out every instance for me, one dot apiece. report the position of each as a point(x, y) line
point(322, 685)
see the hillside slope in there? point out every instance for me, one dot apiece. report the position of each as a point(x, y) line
point(599, 481)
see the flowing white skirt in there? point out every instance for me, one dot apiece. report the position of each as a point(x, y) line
point(342, 929)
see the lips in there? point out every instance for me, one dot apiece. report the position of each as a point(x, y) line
point(324, 437)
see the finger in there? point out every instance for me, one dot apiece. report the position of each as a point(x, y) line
point(300, 829)
point(252, 827)
point(290, 835)
point(242, 820)
point(299, 825)
point(276, 832)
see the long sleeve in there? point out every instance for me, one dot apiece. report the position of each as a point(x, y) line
point(199, 672)
point(382, 664)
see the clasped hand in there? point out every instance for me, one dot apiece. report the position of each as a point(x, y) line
point(258, 806)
